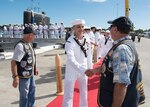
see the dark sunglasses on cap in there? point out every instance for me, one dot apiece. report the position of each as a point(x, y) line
point(111, 27)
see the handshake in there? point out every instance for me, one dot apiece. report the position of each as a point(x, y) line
point(91, 72)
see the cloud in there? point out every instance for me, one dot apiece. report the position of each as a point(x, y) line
point(95, 1)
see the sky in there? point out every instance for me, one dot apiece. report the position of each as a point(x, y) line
point(94, 12)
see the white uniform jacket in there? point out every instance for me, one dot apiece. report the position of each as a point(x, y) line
point(76, 60)
point(106, 47)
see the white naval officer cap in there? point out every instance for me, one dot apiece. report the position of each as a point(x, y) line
point(107, 31)
point(87, 27)
point(99, 28)
point(78, 22)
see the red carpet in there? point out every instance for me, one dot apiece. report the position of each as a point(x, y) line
point(93, 83)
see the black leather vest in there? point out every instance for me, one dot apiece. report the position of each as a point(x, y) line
point(25, 66)
point(135, 93)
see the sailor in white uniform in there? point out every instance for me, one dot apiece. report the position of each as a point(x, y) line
point(99, 40)
point(5, 30)
point(10, 31)
point(87, 34)
point(62, 30)
point(107, 44)
point(92, 38)
point(51, 31)
point(45, 28)
point(16, 31)
point(56, 31)
point(40, 30)
point(76, 48)
point(35, 28)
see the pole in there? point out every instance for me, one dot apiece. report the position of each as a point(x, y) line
point(117, 9)
point(127, 8)
point(32, 17)
point(58, 75)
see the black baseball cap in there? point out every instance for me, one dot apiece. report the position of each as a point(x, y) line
point(122, 22)
point(28, 30)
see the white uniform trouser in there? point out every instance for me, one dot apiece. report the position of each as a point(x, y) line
point(15, 34)
point(61, 34)
point(57, 35)
point(45, 34)
point(98, 50)
point(40, 34)
point(52, 36)
point(11, 33)
point(69, 83)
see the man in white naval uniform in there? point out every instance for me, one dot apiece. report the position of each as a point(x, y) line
point(92, 38)
point(16, 31)
point(45, 28)
point(87, 32)
point(76, 48)
point(40, 30)
point(99, 40)
point(10, 31)
point(107, 44)
point(5, 29)
point(62, 30)
point(51, 31)
point(56, 31)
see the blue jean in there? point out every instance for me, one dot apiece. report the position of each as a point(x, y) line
point(27, 92)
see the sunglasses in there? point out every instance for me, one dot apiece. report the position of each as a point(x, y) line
point(111, 27)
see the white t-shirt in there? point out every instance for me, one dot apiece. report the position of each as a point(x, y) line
point(18, 52)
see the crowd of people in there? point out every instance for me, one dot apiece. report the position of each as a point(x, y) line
point(42, 30)
point(120, 75)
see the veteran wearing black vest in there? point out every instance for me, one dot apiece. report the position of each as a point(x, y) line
point(23, 68)
point(121, 79)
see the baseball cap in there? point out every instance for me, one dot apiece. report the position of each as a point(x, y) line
point(122, 22)
point(78, 22)
point(28, 30)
